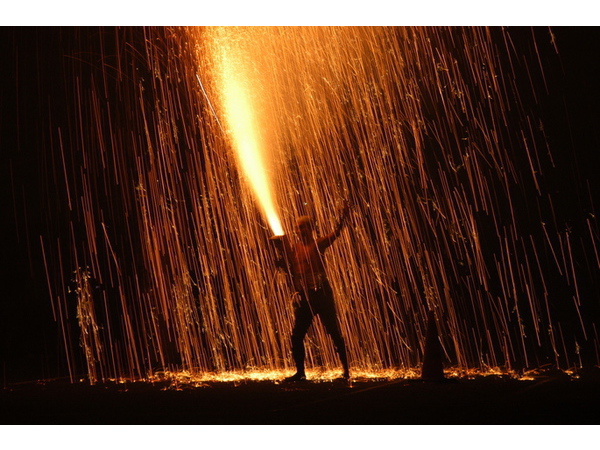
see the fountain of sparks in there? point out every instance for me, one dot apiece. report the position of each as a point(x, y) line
point(240, 113)
point(420, 128)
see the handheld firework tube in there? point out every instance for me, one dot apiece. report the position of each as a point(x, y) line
point(281, 245)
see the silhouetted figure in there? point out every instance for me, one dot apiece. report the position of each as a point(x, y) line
point(314, 296)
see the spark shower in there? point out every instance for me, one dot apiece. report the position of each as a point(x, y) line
point(163, 262)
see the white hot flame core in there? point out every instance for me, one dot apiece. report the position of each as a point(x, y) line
point(243, 128)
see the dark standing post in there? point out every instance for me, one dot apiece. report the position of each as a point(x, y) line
point(433, 369)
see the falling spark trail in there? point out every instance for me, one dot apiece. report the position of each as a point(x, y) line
point(422, 129)
point(209, 102)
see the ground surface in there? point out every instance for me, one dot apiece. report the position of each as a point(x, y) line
point(483, 400)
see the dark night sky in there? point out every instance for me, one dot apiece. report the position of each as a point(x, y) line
point(31, 75)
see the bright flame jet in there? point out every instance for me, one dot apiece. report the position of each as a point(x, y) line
point(240, 117)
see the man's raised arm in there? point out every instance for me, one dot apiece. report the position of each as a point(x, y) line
point(326, 241)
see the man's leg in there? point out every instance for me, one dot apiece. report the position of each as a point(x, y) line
point(302, 319)
point(328, 315)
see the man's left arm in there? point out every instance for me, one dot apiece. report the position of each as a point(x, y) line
point(326, 241)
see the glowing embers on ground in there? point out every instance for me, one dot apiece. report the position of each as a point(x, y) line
point(314, 375)
point(178, 379)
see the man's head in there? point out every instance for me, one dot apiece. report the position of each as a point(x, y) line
point(304, 228)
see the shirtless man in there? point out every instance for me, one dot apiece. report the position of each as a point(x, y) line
point(314, 295)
